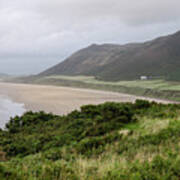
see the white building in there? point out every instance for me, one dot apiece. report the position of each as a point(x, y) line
point(143, 77)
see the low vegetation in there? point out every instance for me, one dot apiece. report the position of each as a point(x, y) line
point(107, 141)
point(159, 84)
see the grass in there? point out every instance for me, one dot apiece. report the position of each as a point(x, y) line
point(125, 141)
point(147, 84)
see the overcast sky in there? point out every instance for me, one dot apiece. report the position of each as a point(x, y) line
point(35, 34)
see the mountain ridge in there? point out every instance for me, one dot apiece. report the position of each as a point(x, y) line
point(158, 57)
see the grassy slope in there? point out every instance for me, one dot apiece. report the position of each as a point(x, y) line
point(149, 84)
point(109, 141)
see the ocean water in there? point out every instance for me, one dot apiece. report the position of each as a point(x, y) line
point(9, 109)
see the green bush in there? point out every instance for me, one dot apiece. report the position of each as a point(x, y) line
point(7, 174)
point(53, 154)
point(45, 146)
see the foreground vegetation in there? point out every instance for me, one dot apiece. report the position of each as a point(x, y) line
point(108, 141)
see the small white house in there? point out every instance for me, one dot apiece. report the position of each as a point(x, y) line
point(143, 77)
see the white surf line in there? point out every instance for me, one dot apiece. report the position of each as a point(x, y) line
point(9, 109)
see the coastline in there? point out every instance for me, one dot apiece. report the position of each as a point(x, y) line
point(8, 109)
point(62, 100)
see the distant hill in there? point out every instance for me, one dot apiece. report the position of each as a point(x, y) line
point(3, 75)
point(157, 58)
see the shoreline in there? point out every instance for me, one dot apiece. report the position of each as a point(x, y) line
point(62, 100)
point(8, 109)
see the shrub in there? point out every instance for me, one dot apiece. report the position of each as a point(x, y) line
point(7, 174)
point(143, 104)
point(53, 154)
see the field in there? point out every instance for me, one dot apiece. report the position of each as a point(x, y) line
point(111, 141)
point(147, 84)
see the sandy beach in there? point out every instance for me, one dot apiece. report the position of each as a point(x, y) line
point(60, 100)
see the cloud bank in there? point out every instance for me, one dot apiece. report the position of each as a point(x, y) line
point(40, 33)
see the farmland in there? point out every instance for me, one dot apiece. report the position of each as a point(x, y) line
point(147, 84)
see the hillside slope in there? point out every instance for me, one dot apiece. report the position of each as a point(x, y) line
point(111, 141)
point(159, 57)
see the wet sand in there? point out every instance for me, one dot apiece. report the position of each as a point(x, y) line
point(61, 100)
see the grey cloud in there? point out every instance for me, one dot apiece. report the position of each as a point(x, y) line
point(126, 11)
point(53, 29)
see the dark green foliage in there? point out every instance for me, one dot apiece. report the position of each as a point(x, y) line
point(34, 132)
point(7, 174)
point(53, 143)
point(53, 154)
point(95, 145)
point(142, 104)
point(29, 118)
point(156, 110)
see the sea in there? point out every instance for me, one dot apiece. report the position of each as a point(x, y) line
point(8, 109)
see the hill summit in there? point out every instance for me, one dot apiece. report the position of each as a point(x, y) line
point(156, 58)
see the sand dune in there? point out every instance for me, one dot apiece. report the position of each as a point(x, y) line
point(60, 100)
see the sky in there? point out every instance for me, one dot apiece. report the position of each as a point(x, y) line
point(36, 34)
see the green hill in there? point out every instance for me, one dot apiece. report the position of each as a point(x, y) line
point(156, 58)
point(108, 141)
